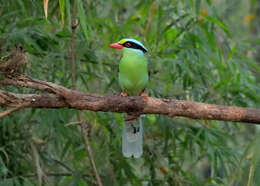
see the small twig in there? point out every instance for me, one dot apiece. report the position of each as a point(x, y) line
point(7, 112)
point(84, 129)
point(73, 172)
point(72, 45)
point(51, 174)
point(251, 175)
point(73, 123)
point(63, 165)
point(36, 158)
point(150, 17)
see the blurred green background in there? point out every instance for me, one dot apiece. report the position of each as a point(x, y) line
point(200, 50)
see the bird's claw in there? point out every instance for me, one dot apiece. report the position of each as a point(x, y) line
point(123, 94)
point(146, 96)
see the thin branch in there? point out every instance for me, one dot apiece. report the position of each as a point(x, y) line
point(72, 123)
point(84, 129)
point(7, 112)
point(251, 175)
point(83, 125)
point(63, 165)
point(39, 171)
point(53, 174)
point(73, 172)
point(150, 16)
point(72, 45)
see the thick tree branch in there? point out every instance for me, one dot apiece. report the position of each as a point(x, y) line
point(60, 97)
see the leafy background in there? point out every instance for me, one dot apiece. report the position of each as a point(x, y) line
point(205, 51)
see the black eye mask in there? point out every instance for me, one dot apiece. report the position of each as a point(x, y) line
point(133, 45)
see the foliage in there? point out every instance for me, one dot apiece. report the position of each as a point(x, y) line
point(198, 50)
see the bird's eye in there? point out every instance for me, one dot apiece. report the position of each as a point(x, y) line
point(128, 44)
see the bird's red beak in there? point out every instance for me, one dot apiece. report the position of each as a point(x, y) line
point(116, 46)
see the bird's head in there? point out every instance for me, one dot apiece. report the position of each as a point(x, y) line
point(129, 43)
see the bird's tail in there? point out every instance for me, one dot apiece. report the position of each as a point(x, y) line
point(132, 145)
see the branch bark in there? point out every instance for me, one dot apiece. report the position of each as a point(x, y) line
point(61, 97)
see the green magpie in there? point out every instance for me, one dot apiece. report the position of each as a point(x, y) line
point(132, 78)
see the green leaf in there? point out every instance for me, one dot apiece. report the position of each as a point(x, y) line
point(217, 22)
point(197, 6)
point(64, 33)
point(68, 14)
point(82, 18)
point(62, 10)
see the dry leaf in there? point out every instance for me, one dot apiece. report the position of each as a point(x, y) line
point(45, 6)
point(248, 18)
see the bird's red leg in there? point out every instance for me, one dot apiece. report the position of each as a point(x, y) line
point(123, 94)
point(146, 96)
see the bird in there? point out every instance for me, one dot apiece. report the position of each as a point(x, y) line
point(132, 78)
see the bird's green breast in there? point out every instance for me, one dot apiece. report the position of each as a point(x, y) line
point(133, 72)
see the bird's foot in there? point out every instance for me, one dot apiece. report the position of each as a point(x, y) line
point(123, 94)
point(146, 96)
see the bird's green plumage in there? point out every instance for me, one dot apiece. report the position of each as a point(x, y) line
point(133, 78)
point(133, 72)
